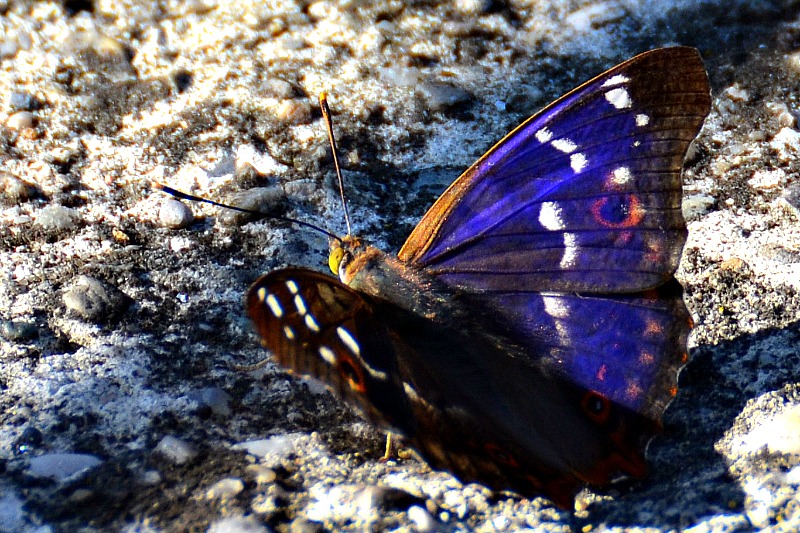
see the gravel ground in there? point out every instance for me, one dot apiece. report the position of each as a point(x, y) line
point(121, 319)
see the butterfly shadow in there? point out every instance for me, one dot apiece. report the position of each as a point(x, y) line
point(689, 479)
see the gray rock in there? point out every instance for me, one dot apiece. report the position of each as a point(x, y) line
point(95, 300)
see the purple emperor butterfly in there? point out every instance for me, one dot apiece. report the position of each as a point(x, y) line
point(529, 333)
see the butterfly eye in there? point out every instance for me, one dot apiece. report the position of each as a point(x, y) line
point(335, 260)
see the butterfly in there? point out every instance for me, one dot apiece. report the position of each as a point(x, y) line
point(529, 333)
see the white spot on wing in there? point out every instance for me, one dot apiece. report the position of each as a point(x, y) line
point(642, 120)
point(550, 216)
point(328, 355)
point(273, 303)
point(261, 294)
point(621, 176)
point(619, 79)
point(558, 310)
point(348, 340)
point(555, 306)
point(564, 145)
point(570, 251)
point(292, 286)
point(410, 391)
point(289, 332)
point(578, 162)
point(619, 98)
point(543, 135)
point(311, 323)
point(300, 304)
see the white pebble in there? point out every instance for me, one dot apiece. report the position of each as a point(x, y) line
point(21, 120)
point(57, 218)
point(737, 94)
point(175, 450)
point(422, 519)
point(61, 466)
point(236, 524)
point(787, 143)
point(279, 445)
point(175, 214)
point(215, 398)
point(225, 489)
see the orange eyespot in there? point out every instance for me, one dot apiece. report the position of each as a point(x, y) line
point(352, 374)
point(618, 212)
point(596, 406)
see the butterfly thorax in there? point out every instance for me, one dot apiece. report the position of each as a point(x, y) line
point(368, 269)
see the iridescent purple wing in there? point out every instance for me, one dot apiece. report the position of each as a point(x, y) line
point(584, 196)
point(628, 348)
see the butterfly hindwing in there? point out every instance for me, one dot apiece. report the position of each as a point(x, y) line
point(583, 196)
point(465, 406)
point(628, 348)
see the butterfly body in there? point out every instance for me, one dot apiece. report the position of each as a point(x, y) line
point(529, 333)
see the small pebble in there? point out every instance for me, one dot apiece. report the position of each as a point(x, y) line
point(293, 111)
point(174, 214)
point(472, 7)
point(57, 218)
point(381, 497)
point(443, 96)
point(30, 439)
point(17, 331)
point(175, 450)
point(260, 199)
point(225, 489)
point(216, 399)
point(8, 48)
point(791, 194)
point(279, 88)
point(422, 519)
point(61, 466)
point(261, 474)
point(111, 50)
point(149, 478)
point(15, 190)
point(696, 205)
point(23, 122)
point(737, 94)
point(23, 101)
point(182, 80)
point(787, 143)
point(304, 525)
point(95, 300)
point(237, 524)
point(767, 179)
point(277, 446)
point(180, 244)
point(782, 114)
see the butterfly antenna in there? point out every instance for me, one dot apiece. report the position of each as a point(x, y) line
point(191, 197)
point(326, 115)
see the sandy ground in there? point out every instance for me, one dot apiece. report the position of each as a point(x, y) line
point(119, 329)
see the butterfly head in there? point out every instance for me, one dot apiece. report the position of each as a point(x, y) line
point(342, 254)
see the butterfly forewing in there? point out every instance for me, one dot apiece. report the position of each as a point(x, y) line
point(318, 327)
point(584, 196)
